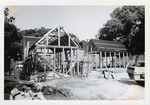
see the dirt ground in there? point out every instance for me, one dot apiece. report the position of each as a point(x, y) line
point(95, 88)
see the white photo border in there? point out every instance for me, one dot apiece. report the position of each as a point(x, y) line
point(146, 3)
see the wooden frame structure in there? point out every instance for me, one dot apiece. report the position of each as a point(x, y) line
point(56, 51)
point(106, 55)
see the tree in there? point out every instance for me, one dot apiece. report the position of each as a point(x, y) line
point(127, 26)
point(34, 32)
point(74, 37)
point(11, 36)
point(112, 30)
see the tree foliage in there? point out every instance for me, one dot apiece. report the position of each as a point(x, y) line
point(74, 37)
point(37, 32)
point(11, 36)
point(127, 25)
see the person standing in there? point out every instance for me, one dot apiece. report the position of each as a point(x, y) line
point(12, 66)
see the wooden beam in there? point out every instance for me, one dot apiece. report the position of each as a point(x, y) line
point(36, 59)
point(71, 72)
point(54, 59)
point(101, 64)
point(63, 54)
point(110, 61)
point(28, 43)
point(106, 59)
point(58, 36)
point(45, 59)
point(51, 46)
point(115, 59)
point(69, 40)
point(127, 57)
point(45, 35)
point(60, 59)
point(119, 61)
point(47, 40)
point(91, 59)
point(96, 60)
point(100, 60)
point(78, 62)
point(24, 51)
point(123, 60)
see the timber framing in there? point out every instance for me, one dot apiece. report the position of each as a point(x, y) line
point(57, 52)
point(111, 55)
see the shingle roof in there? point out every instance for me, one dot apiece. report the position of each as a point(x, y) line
point(106, 46)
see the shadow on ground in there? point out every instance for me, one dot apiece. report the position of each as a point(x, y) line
point(131, 82)
point(127, 81)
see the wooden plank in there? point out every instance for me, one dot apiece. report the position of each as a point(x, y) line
point(78, 62)
point(52, 46)
point(96, 60)
point(54, 59)
point(73, 60)
point(36, 59)
point(101, 64)
point(69, 40)
point(58, 36)
point(28, 43)
point(45, 35)
point(119, 60)
point(91, 59)
point(110, 61)
point(105, 59)
point(63, 55)
point(45, 59)
point(115, 59)
point(127, 57)
point(24, 49)
point(123, 60)
point(71, 72)
point(47, 40)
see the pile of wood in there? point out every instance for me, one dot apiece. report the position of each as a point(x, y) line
point(24, 91)
point(49, 90)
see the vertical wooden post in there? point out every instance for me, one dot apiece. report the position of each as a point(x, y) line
point(54, 59)
point(61, 61)
point(63, 54)
point(77, 61)
point(99, 60)
point(28, 45)
point(123, 60)
point(68, 40)
point(88, 63)
point(45, 59)
point(110, 61)
point(101, 64)
point(58, 60)
point(58, 36)
point(36, 59)
point(127, 57)
point(71, 61)
point(119, 61)
point(115, 59)
point(96, 60)
point(105, 59)
point(47, 40)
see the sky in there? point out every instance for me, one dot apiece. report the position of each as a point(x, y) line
point(83, 21)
